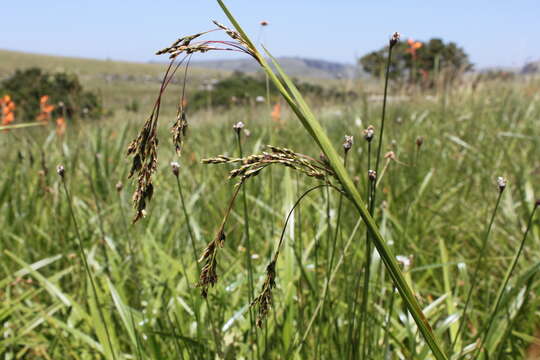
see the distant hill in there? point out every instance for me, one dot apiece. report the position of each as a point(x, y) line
point(294, 66)
point(92, 70)
point(118, 82)
point(121, 82)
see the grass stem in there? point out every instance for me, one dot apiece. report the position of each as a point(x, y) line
point(477, 266)
point(85, 261)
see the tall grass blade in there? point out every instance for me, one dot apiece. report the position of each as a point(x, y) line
point(315, 129)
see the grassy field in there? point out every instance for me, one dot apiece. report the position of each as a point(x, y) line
point(436, 197)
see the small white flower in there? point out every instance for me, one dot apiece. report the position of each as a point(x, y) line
point(501, 182)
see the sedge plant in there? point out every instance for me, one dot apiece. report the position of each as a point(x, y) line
point(144, 154)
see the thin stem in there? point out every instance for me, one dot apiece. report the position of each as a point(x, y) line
point(134, 273)
point(334, 242)
point(367, 278)
point(101, 227)
point(386, 344)
point(372, 199)
point(504, 284)
point(248, 250)
point(383, 115)
point(86, 266)
point(282, 237)
point(327, 285)
point(188, 221)
point(479, 262)
point(195, 257)
point(338, 221)
point(352, 326)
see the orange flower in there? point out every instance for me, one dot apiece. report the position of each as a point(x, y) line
point(48, 108)
point(60, 126)
point(8, 119)
point(45, 109)
point(413, 46)
point(276, 113)
point(7, 107)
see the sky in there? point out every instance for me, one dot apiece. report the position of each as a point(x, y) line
point(493, 33)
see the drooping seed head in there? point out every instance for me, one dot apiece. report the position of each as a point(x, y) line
point(238, 127)
point(368, 133)
point(394, 39)
point(60, 170)
point(119, 186)
point(372, 175)
point(175, 167)
point(347, 144)
point(501, 183)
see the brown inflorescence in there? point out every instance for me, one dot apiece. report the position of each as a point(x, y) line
point(264, 300)
point(251, 165)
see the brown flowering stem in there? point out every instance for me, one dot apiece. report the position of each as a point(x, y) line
point(264, 300)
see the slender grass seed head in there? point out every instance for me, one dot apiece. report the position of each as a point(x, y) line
point(175, 167)
point(501, 183)
point(369, 133)
point(238, 127)
point(348, 143)
point(394, 39)
point(60, 170)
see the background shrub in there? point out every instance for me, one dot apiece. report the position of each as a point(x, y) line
point(65, 92)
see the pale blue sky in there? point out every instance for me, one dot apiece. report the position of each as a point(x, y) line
point(496, 32)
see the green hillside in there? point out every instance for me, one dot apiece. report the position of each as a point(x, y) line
point(117, 81)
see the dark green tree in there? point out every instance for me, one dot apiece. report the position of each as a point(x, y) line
point(415, 61)
point(241, 89)
point(65, 92)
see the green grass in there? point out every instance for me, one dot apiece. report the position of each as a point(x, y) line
point(435, 205)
